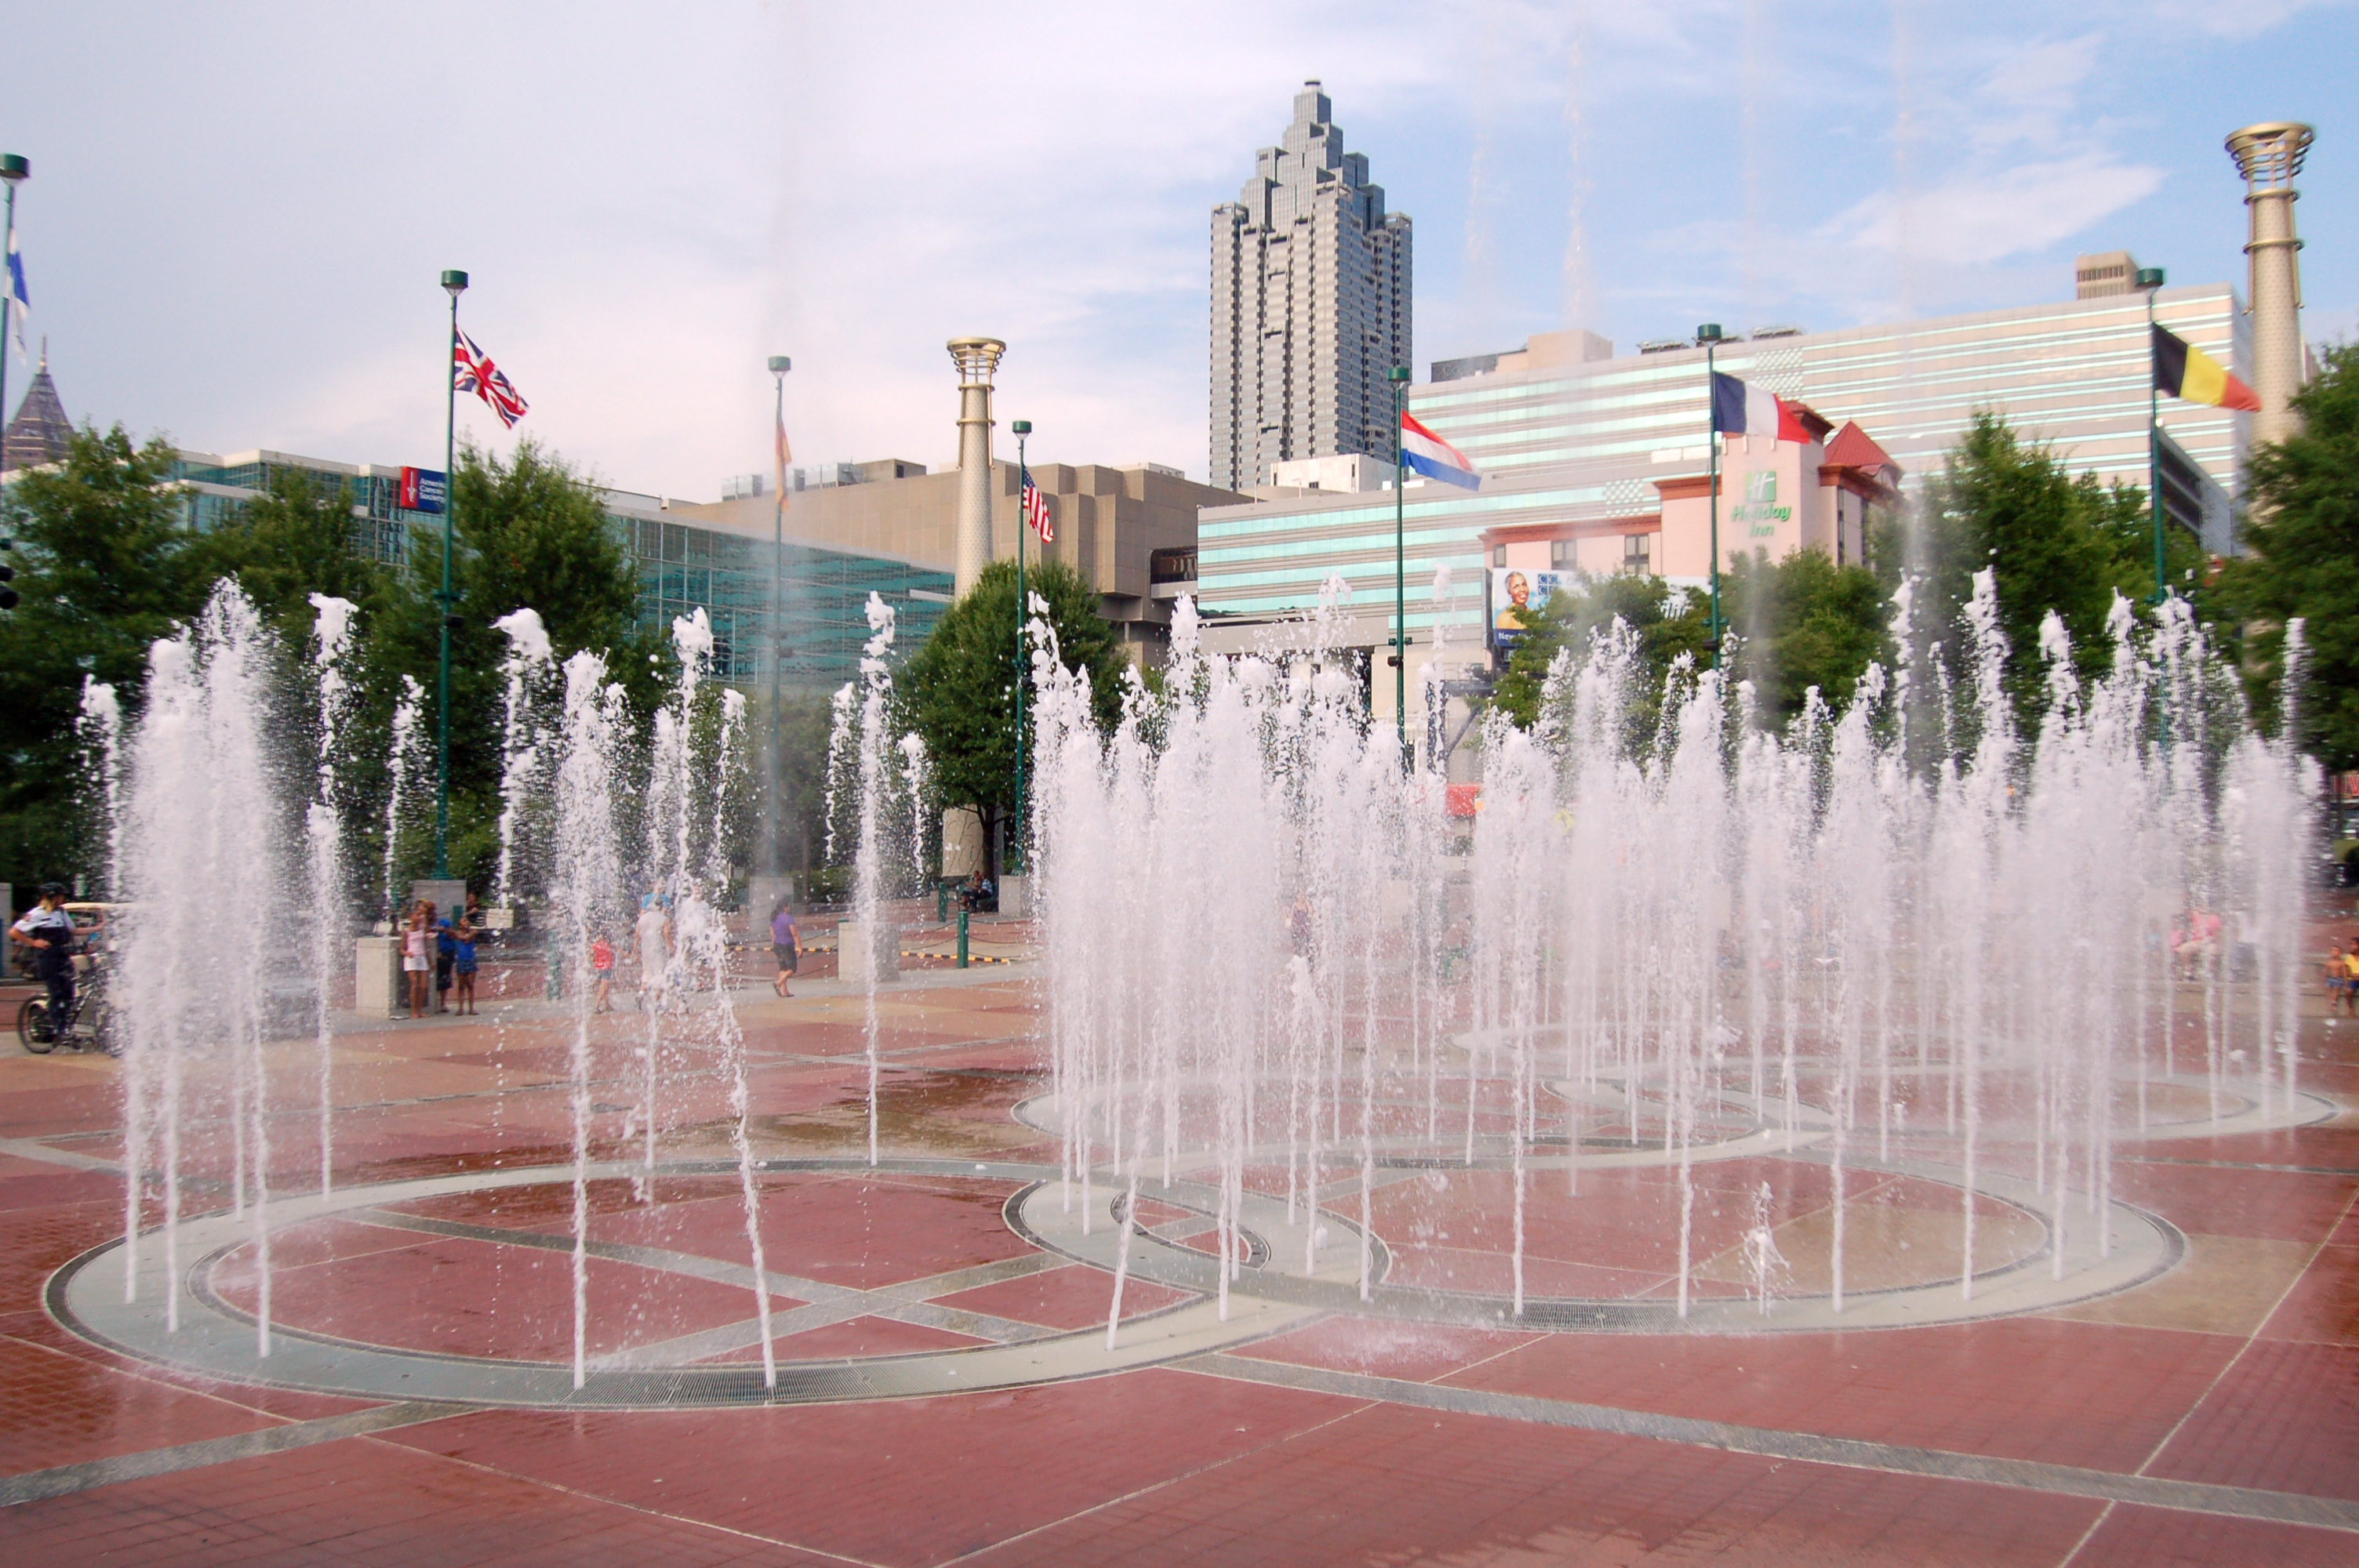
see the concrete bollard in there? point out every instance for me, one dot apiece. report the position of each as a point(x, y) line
point(859, 951)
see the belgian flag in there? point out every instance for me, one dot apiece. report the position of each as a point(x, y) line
point(2188, 373)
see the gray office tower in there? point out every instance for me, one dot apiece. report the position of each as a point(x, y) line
point(1310, 306)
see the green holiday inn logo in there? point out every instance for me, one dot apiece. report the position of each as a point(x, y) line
point(1759, 508)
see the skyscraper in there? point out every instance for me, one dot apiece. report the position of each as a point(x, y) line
point(1310, 305)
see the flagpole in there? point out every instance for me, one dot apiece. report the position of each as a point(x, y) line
point(453, 284)
point(13, 170)
point(2149, 283)
point(1022, 427)
point(1398, 375)
point(779, 366)
point(1709, 336)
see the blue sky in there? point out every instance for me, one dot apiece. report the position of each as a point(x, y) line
point(237, 217)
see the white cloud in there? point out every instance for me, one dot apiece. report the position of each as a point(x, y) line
point(1978, 217)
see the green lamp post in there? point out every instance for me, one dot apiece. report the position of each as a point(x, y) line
point(1398, 376)
point(453, 284)
point(1710, 337)
point(1022, 427)
point(779, 366)
point(2149, 283)
point(14, 170)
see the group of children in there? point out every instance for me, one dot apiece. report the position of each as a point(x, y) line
point(2342, 973)
point(655, 941)
point(443, 950)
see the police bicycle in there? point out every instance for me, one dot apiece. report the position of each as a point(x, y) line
point(87, 1027)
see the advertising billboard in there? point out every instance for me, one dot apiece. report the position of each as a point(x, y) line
point(1515, 587)
point(421, 489)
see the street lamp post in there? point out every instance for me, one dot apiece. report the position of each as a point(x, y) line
point(1398, 376)
point(2149, 283)
point(779, 366)
point(1022, 427)
point(14, 169)
point(1710, 336)
point(453, 284)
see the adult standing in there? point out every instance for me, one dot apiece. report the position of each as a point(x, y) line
point(48, 931)
point(652, 937)
point(783, 946)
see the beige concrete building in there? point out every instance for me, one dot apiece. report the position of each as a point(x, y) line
point(1113, 525)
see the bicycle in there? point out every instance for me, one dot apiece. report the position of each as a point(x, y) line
point(84, 1029)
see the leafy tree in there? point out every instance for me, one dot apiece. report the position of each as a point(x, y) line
point(2302, 538)
point(529, 530)
point(1668, 622)
point(293, 541)
point(105, 567)
point(959, 693)
point(1804, 621)
point(2051, 540)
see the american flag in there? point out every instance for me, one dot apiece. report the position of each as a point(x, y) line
point(1036, 511)
point(472, 370)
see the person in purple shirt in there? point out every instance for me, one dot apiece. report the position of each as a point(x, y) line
point(783, 944)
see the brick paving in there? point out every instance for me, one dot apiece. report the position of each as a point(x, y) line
point(2238, 1369)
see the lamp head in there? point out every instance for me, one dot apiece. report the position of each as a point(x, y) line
point(780, 364)
point(2150, 277)
point(1710, 332)
point(1022, 427)
point(14, 167)
point(454, 284)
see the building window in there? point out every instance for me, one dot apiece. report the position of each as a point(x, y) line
point(1638, 553)
point(1499, 555)
point(1560, 554)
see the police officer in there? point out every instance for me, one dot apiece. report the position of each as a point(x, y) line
point(48, 931)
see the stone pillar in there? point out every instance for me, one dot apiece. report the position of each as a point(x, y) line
point(2269, 156)
point(976, 359)
point(378, 987)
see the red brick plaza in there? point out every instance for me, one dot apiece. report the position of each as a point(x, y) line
point(945, 1390)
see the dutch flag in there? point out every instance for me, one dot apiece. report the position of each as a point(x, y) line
point(1432, 456)
point(1741, 410)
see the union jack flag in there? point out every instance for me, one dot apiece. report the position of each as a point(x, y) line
point(1036, 511)
point(472, 370)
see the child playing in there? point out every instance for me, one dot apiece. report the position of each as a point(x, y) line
point(462, 964)
point(602, 967)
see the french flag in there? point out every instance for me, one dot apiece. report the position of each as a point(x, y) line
point(1432, 456)
point(1741, 410)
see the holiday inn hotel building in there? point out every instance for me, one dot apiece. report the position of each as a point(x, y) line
point(1571, 440)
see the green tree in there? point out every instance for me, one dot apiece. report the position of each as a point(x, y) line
point(105, 567)
point(292, 542)
point(959, 693)
point(1804, 622)
point(1668, 621)
point(2053, 541)
point(530, 531)
point(2302, 543)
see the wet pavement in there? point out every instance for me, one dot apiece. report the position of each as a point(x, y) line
point(946, 1391)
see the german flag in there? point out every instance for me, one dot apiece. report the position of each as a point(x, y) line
point(2188, 373)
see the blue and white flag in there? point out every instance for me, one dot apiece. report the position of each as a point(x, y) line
point(20, 304)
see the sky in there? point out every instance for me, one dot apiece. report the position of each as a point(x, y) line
point(237, 215)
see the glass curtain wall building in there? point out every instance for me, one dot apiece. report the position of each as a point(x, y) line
point(681, 567)
point(1583, 442)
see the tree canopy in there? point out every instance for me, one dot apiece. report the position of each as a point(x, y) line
point(2302, 541)
point(2051, 540)
point(959, 692)
point(105, 566)
point(529, 530)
